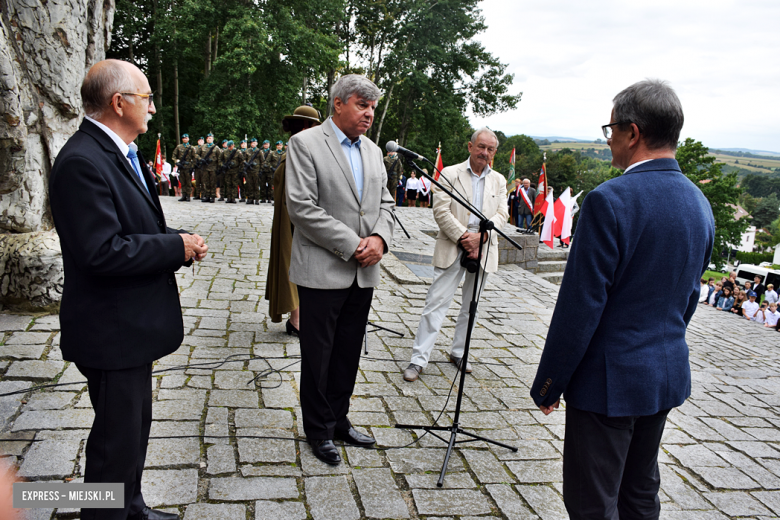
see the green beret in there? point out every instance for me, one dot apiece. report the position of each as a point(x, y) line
point(279, 142)
point(267, 141)
point(253, 140)
point(243, 140)
point(230, 143)
point(184, 135)
point(209, 134)
point(224, 141)
point(201, 139)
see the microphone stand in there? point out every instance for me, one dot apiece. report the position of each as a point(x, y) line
point(485, 225)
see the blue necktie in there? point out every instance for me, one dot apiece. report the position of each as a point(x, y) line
point(136, 166)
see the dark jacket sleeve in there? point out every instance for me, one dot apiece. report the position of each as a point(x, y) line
point(86, 218)
point(589, 274)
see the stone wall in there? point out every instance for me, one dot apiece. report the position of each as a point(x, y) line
point(509, 254)
point(46, 47)
point(32, 274)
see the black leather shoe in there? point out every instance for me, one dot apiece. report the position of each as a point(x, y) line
point(291, 330)
point(205, 199)
point(154, 514)
point(183, 198)
point(223, 198)
point(257, 203)
point(326, 451)
point(355, 438)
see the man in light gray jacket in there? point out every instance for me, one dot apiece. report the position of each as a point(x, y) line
point(338, 202)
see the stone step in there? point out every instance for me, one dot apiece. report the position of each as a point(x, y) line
point(546, 254)
point(553, 277)
point(547, 266)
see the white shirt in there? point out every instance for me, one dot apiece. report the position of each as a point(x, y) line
point(636, 164)
point(704, 290)
point(413, 184)
point(166, 167)
point(354, 159)
point(477, 190)
point(123, 147)
point(749, 309)
point(713, 301)
point(772, 317)
point(770, 296)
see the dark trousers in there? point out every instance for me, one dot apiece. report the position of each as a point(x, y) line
point(333, 322)
point(610, 465)
point(116, 447)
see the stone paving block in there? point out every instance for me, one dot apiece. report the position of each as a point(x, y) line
point(509, 502)
point(266, 450)
point(451, 481)
point(369, 418)
point(725, 478)
point(14, 322)
point(266, 510)
point(421, 460)
point(737, 504)
point(487, 468)
point(379, 494)
point(234, 398)
point(215, 512)
point(756, 449)
point(169, 487)
point(22, 351)
point(220, 460)
point(10, 404)
point(233, 380)
point(50, 459)
point(282, 397)
point(50, 401)
point(544, 501)
point(28, 338)
point(253, 488)
point(54, 419)
point(533, 471)
point(527, 450)
point(770, 499)
point(34, 369)
point(329, 498)
point(695, 455)
point(363, 458)
point(271, 470)
point(450, 502)
point(177, 410)
point(312, 466)
point(263, 418)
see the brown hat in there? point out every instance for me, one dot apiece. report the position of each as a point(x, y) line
point(306, 113)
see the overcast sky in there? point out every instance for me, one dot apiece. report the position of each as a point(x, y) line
point(570, 58)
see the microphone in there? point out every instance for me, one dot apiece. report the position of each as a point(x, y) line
point(392, 146)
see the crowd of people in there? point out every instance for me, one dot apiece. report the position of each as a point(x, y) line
point(754, 301)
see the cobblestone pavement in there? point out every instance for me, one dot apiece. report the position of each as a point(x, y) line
point(720, 455)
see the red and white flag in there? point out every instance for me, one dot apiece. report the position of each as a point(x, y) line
point(549, 221)
point(541, 192)
point(562, 227)
point(158, 163)
point(439, 164)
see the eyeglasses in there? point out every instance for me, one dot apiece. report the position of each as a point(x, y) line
point(148, 97)
point(607, 129)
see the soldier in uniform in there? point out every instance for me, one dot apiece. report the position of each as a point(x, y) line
point(394, 169)
point(197, 188)
point(185, 156)
point(265, 180)
point(209, 160)
point(221, 172)
point(232, 162)
point(241, 177)
point(254, 158)
point(271, 164)
point(266, 149)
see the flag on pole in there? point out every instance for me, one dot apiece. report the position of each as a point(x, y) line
point(541, 191)
point(549, 221)
point(439, 164)
point(562, 226)
point(511, 167)
point(158, 166)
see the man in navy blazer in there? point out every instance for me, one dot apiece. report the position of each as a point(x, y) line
point(616, 346)
point(120, 304)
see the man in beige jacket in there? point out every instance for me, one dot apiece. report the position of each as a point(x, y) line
point(474, 181)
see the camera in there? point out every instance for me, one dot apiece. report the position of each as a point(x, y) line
point(471, 264)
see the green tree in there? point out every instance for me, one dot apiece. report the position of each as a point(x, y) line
point(528, 156)
point(721, 191)
point(748, 202)
point(767, 210)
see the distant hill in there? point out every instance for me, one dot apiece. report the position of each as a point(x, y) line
point(562, 139)
point(753, 152)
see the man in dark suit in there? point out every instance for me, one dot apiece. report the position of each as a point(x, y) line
point(525, 204)
point(621, 362)
point(120, 304)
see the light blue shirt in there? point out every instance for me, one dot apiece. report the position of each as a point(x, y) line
point(352, 152)
point(478, 192)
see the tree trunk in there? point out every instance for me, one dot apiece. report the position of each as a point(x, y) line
point(207, 68)
point(46, 48)
point(405, 120)
point(130, 49)
point(304, 90)
point(388, 98)
point(331, 77)
point(216, 46)
point(176, 97)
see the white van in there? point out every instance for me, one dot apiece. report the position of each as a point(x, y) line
point(746, 273)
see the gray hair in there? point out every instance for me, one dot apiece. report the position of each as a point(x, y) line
point(655, 108)
point(483, 130)
point(102, 83)
point(353, 84)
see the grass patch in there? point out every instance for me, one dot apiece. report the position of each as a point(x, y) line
point(714, 274)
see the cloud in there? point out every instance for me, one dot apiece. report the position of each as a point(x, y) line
point(570, 59)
